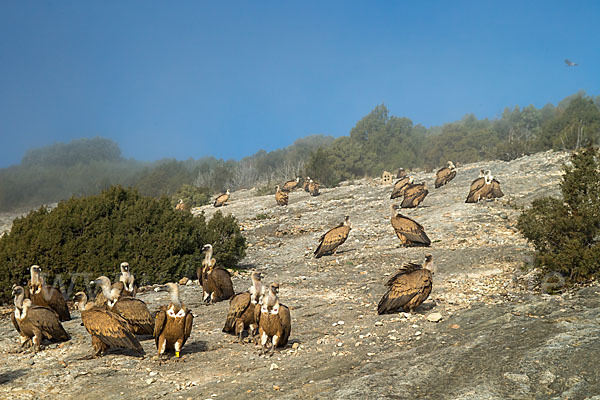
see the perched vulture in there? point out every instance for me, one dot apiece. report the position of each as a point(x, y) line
point(281, 197)
point(35, 323)
point(414, 195)
point(475, 191)
point(117, 288)
point(133, 310)
point(290, 185)
point(495, 191)
point(108, 330)
point(221, 199)
point(216, 281)
point(242, 306)
point(128, 281)
point(274, 322)
point(173, 323)
point(333, 238)
point(408, 288)
point(400, 186)
point(306, 183)
point(313, 188)
point(445, 175)
point(409, 231)
point(180, 205)
point(46, 295)
point(401, 173)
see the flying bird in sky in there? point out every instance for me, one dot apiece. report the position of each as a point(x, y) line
point(570, 63)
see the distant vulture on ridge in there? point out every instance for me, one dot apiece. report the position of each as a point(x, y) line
point(313, 188)
point(484, 187)
point(414, 195)
point(408, 288)
point(281, 197)
point(221, 199)
point(409, 231)
point(400, 186)
point(445, 175)
point(290, 185)
point(333, 238)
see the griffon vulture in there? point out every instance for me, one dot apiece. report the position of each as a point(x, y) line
point(333, 238)
point(400, 186)
point(128, 281)
point(414, 195)
point(475, 190)
point(274, 321)
point(408, 288)
point(409, 231)
point(173, 323)
point(108, 330)
point(290, 185)
point(46, 295)
point(281, 197)
point(306, 183)
point(216, 281)
point(221, 199)
point(313, 188)
point(445, 175)
point(133, 310)
point(242, 306)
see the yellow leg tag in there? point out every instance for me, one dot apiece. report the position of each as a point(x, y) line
point(177, 354)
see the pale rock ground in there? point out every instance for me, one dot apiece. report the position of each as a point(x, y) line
point(498, 336)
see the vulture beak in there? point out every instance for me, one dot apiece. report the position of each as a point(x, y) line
point(161, 288)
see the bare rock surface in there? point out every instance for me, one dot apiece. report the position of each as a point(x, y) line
point(495, 337)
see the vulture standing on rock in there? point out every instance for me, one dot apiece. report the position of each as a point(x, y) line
point(290, 185)
point(445, 175)
point(274, 321)
point(484, 187)
point(400, 186)
point(108, 330)
point(408, 288)
point(173, 323)
point(281, 197)
point(414, 195)
point(133, 310)
point(475, 190)
point(241, 313)
point(306, 183)
point(494, 191)
point(116, 290)
point(409, 231)
point(128, 280)
point(221, 199)
point(35, 323)
point(313, 188)
point(46, 295)
point(333, 238)
point(216, 281)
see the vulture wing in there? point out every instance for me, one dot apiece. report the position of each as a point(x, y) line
point(286, 323)
point(409, 230)
point(313, 189)
point(160, 320)
point(495, 191)
point(281, 198)
point(476, 185)
point(237, 305)
point(136, 313)
point(289, 185)
point(332, 239)
point(189, 322)
point(444, 176)
point(222, 281)
point(110, 329)
point(414, 195)
point(405, 286)
point(399, 187)
point(47, 320)
point(219, 201)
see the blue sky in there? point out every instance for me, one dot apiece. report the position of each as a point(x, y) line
point(190, 79)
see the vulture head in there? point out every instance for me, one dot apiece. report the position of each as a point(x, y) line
point(274, 287)
point(80, 300)
point(256, 276)
point(124, 267)
point(428, 264)
point(207, 247)
point(18, 294)
point(451, 165)
point(277, 188)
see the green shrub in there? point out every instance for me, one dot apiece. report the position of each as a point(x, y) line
point(565, 232)
point(83, 238)
point(192, 196)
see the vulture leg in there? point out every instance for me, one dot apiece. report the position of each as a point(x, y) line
point(239, 329)
point(37, 340)
point(274, 343)
point(98, 346)
point(263, 342)
point(162, 346)
point(177, 348)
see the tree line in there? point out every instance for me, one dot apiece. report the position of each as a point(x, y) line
point(377, 142)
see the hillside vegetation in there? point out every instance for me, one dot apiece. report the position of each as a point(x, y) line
point(379, 141)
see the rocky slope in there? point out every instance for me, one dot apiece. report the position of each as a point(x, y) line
point(498, 337)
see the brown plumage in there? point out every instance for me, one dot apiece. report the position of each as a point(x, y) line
point(290, 185)
point(35, 323)
point(117, 287)
point(400, 186)
point(476, 189)
point(108, 330)
point(306, 183)
point(408, 288)
point(133, 310)
point(445, 175)
point(221, 199)
point(242, 307)
point(414, 195)
point(333, 238)
point(494, 191)
point(313, 188)
point(274, 322)
point(173, 323)
point(409, 231)
point(216, 281)
point(46, 295)
point(281, 197)
point(128, 279)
